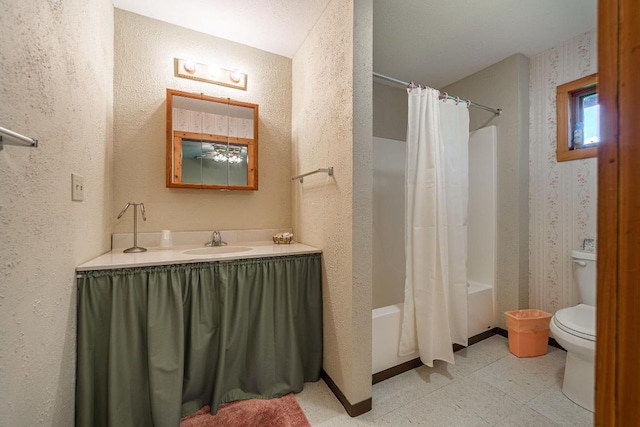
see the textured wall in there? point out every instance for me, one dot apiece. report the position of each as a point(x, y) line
point(56, 74)
point(505, 85)
point(144, 67)
point(390, 111)
point(329, 127)
point(563, 195)
point(362, 198)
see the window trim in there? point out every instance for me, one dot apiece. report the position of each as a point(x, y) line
point(566, 95)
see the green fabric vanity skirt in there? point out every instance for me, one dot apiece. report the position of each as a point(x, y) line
point(157, 343)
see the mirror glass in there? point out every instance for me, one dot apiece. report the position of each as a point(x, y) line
point(212, 143)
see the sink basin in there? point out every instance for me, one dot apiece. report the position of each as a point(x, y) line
point(216, 250)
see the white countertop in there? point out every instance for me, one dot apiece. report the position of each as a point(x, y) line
point(176, 255)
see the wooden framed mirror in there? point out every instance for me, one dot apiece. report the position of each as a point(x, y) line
point(212, 143)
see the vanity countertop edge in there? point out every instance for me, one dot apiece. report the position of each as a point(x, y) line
point(176, 255)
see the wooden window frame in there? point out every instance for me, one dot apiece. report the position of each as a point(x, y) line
point(567, 96)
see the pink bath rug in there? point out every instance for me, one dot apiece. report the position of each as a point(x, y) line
point(281, 412)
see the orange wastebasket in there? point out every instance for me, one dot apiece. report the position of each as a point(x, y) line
point(528, 332)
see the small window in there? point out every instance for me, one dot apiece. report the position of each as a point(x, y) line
point(578, 119)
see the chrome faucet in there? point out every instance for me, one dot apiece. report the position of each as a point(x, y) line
point(216, 240)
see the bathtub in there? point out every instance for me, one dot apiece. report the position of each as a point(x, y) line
point(387, 324)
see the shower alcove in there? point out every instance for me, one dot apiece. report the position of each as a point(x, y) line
point(388, 243)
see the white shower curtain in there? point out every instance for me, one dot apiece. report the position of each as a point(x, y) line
point(435, 305)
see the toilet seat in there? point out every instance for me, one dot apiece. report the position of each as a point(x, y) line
point(579, 321)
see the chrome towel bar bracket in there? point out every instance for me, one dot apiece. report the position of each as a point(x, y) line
point(25, 141)
point(328, 170)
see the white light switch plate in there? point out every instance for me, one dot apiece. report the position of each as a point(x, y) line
point(77, 187)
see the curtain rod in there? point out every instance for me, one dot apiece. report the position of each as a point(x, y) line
point(496, 111)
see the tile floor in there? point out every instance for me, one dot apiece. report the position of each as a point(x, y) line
point(487, 386)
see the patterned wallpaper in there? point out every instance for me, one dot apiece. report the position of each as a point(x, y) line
point(562, 196)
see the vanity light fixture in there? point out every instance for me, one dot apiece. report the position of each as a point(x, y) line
point(213, 70)
point(211, 73)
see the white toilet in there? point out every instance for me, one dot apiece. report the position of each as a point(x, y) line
point(575, 329)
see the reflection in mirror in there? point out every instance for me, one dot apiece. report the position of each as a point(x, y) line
point(213, 163)
point(211, 142)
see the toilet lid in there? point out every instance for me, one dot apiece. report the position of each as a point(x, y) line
point(579, 321)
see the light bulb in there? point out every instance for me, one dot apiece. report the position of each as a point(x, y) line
point(235, 75)
point(190, 66)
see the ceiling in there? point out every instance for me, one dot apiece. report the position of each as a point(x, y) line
point(437, 42)
point(432, 42)
point(277, 26)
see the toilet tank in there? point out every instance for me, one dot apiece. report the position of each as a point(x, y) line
point(584, 273)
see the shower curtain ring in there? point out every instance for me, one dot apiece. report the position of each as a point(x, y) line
point(457, 100)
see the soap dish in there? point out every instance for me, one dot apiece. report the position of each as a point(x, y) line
point(281, 240)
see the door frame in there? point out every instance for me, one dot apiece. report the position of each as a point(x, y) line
point(618, 315)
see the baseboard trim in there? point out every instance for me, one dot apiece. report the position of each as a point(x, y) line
point(554, 343)
point(502, 332)
point(416, 363)
point(396, 370)
point(353, 410)
point(482, 336)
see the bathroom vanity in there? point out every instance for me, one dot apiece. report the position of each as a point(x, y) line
point(166, 332)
